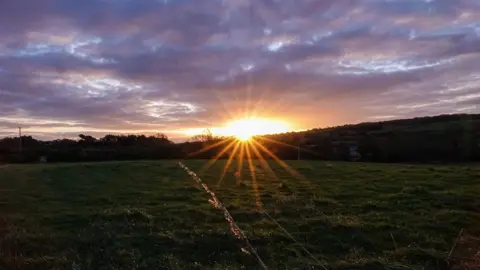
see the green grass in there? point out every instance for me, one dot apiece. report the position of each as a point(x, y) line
point(152, 215)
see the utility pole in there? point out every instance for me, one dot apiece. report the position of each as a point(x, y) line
point(20, 144)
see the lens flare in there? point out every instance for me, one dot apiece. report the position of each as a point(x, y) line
point(245, 129)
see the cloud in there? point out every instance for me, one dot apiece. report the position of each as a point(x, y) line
point(126, 66)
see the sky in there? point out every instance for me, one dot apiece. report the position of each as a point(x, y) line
point(147, 66)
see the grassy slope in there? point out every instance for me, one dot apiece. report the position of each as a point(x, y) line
point(152, 215)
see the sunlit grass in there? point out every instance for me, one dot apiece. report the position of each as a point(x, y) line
point(250, 150)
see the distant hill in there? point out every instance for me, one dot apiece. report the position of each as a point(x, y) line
point(445, 138)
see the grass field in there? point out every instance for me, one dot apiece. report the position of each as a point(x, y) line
point(153, 215)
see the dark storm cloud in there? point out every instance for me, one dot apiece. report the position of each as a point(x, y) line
point(174, 64)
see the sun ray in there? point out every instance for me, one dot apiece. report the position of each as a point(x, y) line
point(289, 145)
point(262, 104)
point(214, 159)
point(210, 147)
point(263, 162)
point(267, 104)
point(224, 105)
point(254, 176)
point(277, 104)
point(282, 163)
point(229, 162)
point(240, 161)
point(248, 100)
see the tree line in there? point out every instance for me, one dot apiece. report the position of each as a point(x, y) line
point(444, 138)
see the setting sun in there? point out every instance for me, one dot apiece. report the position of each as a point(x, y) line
point(244, 129)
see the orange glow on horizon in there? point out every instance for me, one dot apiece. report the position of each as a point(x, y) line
point(244, 129)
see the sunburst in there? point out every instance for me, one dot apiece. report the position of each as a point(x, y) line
point(244, 129)
point(246, 145)
point(244, 133)
point(245, 141)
